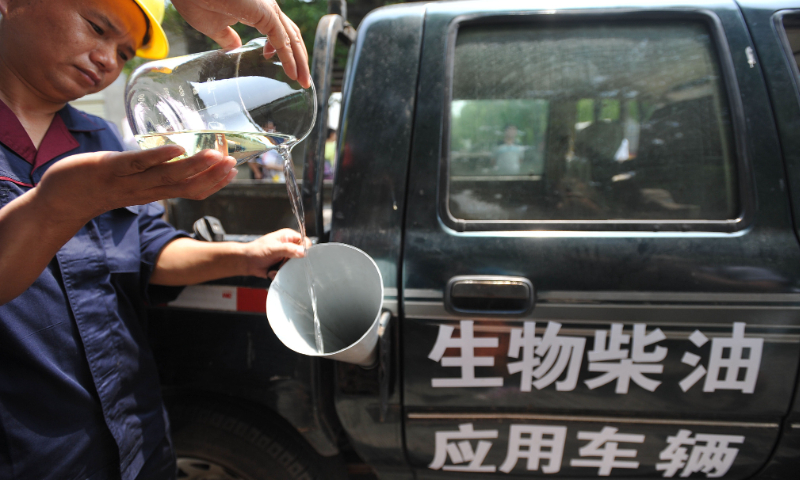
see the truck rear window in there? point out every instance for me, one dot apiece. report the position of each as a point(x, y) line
point(616, 121)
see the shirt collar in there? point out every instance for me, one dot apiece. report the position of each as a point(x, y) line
point(57, 141)
point(14, 136)
point(77, 121)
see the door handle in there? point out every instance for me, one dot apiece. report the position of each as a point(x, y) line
point(489, 294)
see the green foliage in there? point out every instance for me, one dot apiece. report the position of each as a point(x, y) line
point(585, 110)
point(609, 109)
point(132, 65)
point(305, 14)
point(479, 125)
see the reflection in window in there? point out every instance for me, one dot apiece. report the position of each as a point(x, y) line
point(498, 138)
point(791, 25)
point(615, 121)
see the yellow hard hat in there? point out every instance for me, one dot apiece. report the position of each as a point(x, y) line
point(157, 45)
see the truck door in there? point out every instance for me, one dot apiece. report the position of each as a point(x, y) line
point(600, 272)
point(775, 28)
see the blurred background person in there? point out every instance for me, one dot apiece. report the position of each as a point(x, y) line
point(330, 154)
point(268, 167)
point(507, 157)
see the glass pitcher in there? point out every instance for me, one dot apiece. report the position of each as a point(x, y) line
point(237, 102)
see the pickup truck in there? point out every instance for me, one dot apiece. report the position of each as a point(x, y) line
point(585, 214)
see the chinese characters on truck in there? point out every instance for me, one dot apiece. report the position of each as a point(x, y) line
point(732, 365)
point(618, 356)
point(541, 448)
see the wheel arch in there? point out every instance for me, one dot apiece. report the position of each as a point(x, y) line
point(247, 419)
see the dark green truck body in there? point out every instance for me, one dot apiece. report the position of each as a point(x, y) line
point(616, 293)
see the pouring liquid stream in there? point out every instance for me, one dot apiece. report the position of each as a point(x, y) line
point(297, 209)
point(244, 146)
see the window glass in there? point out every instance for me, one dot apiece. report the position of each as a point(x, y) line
point(591, 122)
point(791, 24)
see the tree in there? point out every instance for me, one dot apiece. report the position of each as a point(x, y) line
point(305, 13)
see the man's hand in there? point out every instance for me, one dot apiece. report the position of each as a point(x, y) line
point(83, 186)
point(78, 188)
point(186, 261)
point(270, 250)
point(215, 17)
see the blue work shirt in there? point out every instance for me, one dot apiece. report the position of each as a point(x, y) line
point(79, 390)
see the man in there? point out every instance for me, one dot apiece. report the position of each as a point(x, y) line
point(82, 248)
point(508, 155)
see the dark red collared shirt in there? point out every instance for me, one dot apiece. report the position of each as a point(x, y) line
point(79, 391)
point(57, 141)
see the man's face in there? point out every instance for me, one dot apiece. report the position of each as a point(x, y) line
point(65, 49)
point(510, 134)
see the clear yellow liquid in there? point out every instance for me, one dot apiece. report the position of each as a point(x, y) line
point(295, 199)
point(242, 146)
